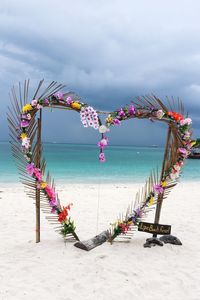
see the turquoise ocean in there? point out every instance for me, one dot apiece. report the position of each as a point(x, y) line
point(75, 163)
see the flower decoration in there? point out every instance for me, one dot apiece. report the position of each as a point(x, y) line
point(171, 174)
point(89, 117)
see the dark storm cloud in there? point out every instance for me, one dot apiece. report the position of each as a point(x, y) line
point(106, 51)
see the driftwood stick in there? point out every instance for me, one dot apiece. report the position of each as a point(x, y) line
point(94, 242)
point(160, 197)
point(37, 191)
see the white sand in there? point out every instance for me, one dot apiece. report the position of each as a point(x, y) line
point(53, 270)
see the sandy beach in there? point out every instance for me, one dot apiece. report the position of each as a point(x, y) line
point(125, 270)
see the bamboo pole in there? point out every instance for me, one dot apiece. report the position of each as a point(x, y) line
point(37, 191)
point(160, 197)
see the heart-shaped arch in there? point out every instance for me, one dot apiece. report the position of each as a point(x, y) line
point(25, 132)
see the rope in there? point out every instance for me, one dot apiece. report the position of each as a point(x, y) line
point(98, 205)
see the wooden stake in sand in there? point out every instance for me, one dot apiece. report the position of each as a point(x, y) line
point(37, 191)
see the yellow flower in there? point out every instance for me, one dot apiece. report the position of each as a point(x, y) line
point(109, 119)
point(151, 201)
point(164, 184)
point(76, 105)
point(23, 136)
point(193, 143)
point(27, 108)
point(43, 185)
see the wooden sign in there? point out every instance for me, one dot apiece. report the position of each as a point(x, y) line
point(154, 228)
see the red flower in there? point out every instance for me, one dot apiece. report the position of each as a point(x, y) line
point(124, 227)
point(176, 116)
point(63, 215)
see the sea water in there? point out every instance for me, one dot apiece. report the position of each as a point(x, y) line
point(75, 163)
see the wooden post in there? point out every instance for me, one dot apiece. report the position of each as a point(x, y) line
point(160, 197)
point(37, 163)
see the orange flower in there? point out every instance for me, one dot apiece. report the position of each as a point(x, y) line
point(176, 116)
point(76, 105)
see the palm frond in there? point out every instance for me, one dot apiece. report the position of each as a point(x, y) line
point(20, 96)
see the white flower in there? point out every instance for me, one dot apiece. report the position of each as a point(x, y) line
point(103, 129)
point(26, 142)
point(159, 114)
point(34, 102)
point(187, 121)
point(89, 117)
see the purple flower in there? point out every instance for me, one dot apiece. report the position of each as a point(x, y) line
point(46, 101)
point(103, 143)
point(121, 113)
point(158, 188)
point(138, 212)
point(102, 157)
point(69, 100)
point(30, 168)
point(53, 202)
point(24, 116)
point(183, 152)
point(53, 210)
point(24, 123)
point(116, 122)
point(59, 95)
point(131, 110)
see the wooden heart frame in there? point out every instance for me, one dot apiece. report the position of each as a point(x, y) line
point(25, 133)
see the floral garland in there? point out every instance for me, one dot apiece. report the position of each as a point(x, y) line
point(88, 117)
point(182, 124)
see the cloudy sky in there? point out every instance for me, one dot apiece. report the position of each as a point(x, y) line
point(105, 51)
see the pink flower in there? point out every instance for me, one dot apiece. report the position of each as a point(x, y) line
point(50, 192)
point(177, 167)
point(103, 143)
point(102, 157)
point(46, 101)
point(34, 102)
point(187, 135)
point(37, 174)
point(69, 100)
point(28, 117)
point(131, 110)
point(30, 168)
point(158, 188)
point(39, 106)
point(183, 152)
point(186, 121)
point(121, 113)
